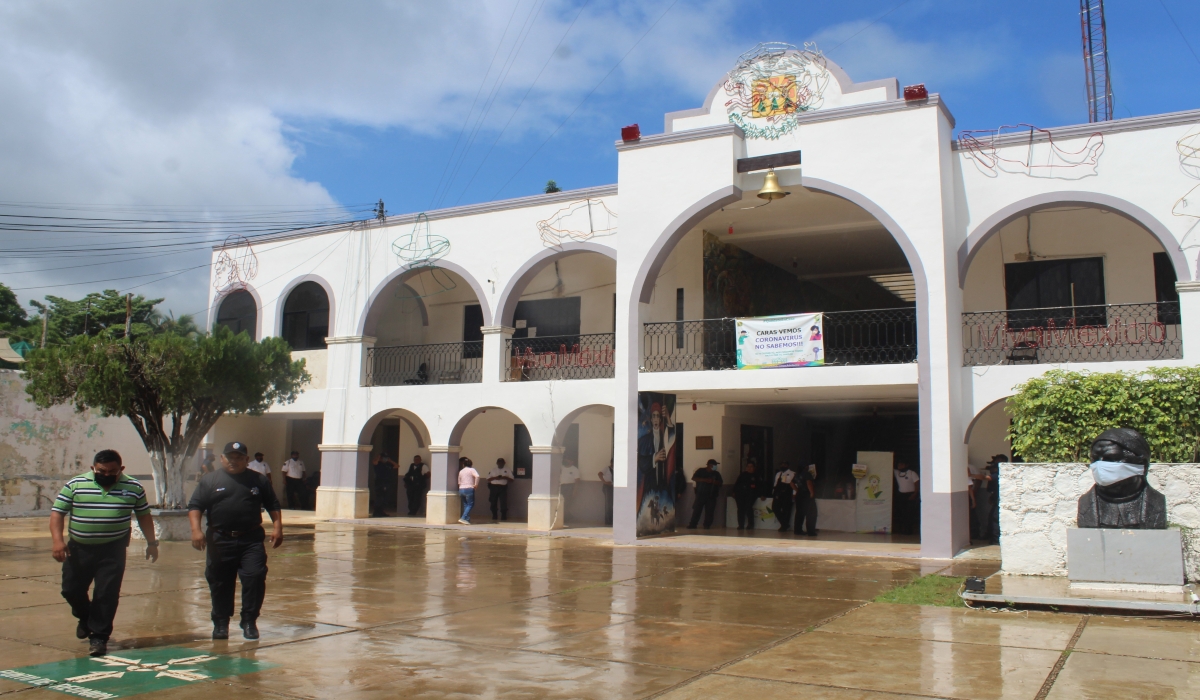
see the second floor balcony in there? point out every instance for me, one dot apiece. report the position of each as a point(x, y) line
point(870, 337)
point(1099, 333)
point(438, 363)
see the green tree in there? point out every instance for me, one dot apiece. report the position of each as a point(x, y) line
point(184, 326)
point(552, 187)
point(96, 313)
point(12, 316)
point(1055, 417)
point(172, 388)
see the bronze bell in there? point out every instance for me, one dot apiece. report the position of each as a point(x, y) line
point(770, 189)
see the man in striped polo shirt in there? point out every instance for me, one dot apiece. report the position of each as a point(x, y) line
point(100, 504)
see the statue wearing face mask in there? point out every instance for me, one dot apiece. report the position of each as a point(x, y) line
point(1122, 498)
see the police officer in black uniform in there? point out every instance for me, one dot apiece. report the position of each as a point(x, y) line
point(233, 498)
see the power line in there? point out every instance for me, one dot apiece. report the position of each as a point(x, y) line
point(585, 99)
point(1178, 29)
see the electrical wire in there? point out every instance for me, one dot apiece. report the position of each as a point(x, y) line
point(1186, 43)
point(585, 99)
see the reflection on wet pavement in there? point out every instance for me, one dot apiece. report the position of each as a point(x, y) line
point(354, 611)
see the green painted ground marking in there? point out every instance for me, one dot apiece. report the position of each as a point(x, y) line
point(132, 672)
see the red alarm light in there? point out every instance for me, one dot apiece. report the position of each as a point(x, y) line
point(916, 92)
point(633, 132)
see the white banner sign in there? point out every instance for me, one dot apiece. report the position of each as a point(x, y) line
point(795, 340)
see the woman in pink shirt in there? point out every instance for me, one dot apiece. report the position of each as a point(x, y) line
point(468, 479)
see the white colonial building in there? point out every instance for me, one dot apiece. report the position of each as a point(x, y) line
point(948, 269)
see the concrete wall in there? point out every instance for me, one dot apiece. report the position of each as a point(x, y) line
point(1127, 248)
point(41, 450)
point(684, 268)
point(1039, 502)
point(989, 436)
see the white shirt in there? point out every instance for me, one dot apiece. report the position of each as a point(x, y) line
point(786, 476)
point(569, 475)
point(606, 476)
point(294, 468)
point(907, 480)
point(260, 467)
point(497, 476)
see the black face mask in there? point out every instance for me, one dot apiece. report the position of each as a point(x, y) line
point(106, 480)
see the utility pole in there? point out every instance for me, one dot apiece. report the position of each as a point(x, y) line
point(45, 323)
point(1095, 60)
point(86, 315)
point(128, 311)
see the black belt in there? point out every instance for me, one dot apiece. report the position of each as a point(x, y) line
point(231, 533)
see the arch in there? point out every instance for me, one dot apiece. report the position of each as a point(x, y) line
point(305, 312)
point(1009, 213)
point(525, 274)
point(215, 310)
point(424, 310)
point(406, 418)
point(560, 431)
point(368, 320)
point(456, 433)
point(281, 302)
point(975, 418)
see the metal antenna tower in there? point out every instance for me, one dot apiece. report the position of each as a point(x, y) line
point(1095, 60)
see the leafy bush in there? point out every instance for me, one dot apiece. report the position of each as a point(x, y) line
point(1056, 417)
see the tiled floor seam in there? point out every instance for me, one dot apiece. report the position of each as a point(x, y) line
point(900, 693)
point(767, 647)
point(1062, 660)
point(941, 641)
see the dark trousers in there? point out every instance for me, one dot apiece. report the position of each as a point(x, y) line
point(385, 491)
point(745, 511)
point(231, 558)
point(608, 504)
point(103, 564)
point(983, 515)
point(907, 513)
point(498, 499)
point(297, 495)
point(706, 502)
point(806, 516)
point(783, 511)
point(416, 496)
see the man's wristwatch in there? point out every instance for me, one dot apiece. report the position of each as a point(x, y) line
point(151, 544)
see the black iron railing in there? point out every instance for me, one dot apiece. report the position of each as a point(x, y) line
point(1103, 333)
point(587, 356)
point(440, 363)
point(871, 337)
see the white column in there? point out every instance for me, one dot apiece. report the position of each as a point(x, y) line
point(495, 355)
point(348, 360)
point(545, 502)
point(1189, 319)
point(343, 492)
point(441, 503)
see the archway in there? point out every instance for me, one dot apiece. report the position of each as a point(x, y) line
point(402, 437)
point(831, 250)
point(306, 316)
point(485, 435)
point(586, 437)
point(561, 305)
point(238, 311)
point(1070, 280)
point(427, 327)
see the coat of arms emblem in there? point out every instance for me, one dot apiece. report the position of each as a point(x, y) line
point(774, 82)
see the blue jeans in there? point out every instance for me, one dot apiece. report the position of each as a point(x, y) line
point(467, 496)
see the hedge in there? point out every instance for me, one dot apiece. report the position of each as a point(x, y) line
point(1056, 417)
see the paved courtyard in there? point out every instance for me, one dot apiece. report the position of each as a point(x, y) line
point(358, 611)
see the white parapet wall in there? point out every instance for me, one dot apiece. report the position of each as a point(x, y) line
point(1039, 503)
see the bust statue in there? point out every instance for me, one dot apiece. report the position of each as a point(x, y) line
point(1122, 498)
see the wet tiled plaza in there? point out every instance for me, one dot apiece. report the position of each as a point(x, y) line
point(359, 611)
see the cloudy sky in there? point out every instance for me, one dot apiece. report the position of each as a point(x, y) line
point(305, 111)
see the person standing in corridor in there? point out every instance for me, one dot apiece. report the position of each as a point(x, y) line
point(416, 484)
point(293, 472)
point(708, 486)
point(100, 505)
point(745, 493)
point(498, 480)
point(233, 499)
point(468, 479)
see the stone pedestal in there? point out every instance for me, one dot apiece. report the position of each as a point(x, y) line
point(342, 502)
point(444, 507)
point(1103, 558)
point(169, 526)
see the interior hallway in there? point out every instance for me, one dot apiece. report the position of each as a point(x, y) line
point(358, 611)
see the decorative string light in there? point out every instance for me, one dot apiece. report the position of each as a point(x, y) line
point(984, 147)
point(771, 84)
point(578, 221)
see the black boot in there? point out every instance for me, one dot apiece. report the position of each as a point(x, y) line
point(81, 630)
point(249, 629)
point(220, 629)
point(98, 647)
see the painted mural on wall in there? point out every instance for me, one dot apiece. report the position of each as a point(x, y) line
point(41, 450)
point(659, 456)
point(738, 285)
